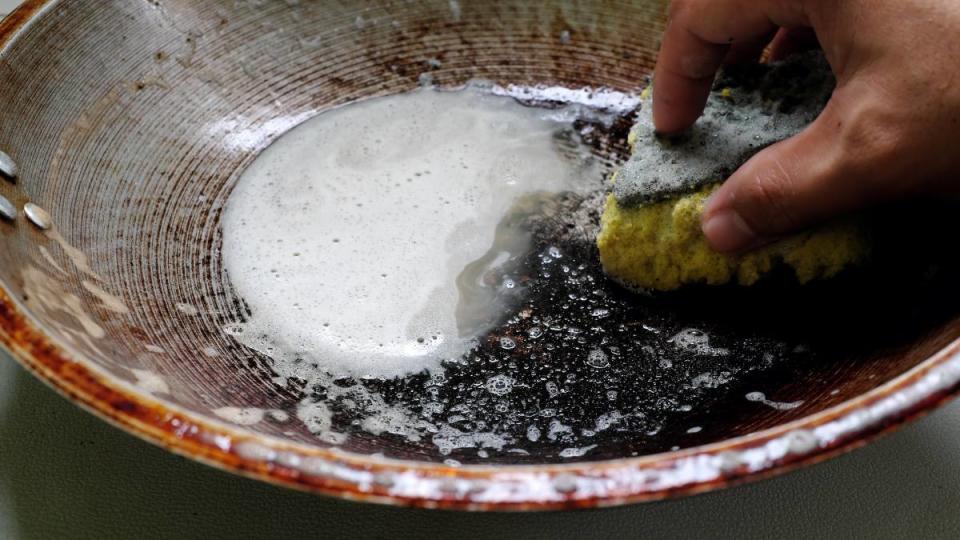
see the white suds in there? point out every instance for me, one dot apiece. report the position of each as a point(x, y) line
point(346, 237)
point(576, 452)
point(595, 98)
point(760, 397)
point(697, 341)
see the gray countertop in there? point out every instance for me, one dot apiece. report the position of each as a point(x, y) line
point(66, 474)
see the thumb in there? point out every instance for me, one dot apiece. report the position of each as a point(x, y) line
point(819, 173)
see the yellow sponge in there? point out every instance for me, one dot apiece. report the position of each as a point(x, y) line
point(660, 247)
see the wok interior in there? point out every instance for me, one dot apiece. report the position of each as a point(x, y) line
point(132, 121)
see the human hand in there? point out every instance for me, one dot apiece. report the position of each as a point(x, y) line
point(891, 128)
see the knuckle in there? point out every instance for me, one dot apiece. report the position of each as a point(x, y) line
point(870, 134)
point(768, 200)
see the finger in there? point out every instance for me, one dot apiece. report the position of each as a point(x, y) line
point(789, 41)
point(682, 78)
point(837, 164)
point(695, 42)
point(748, 52)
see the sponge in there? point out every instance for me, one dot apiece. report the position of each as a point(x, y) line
point(650, 237)
point(660, 247)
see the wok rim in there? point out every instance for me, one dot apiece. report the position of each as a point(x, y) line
point(667, 475)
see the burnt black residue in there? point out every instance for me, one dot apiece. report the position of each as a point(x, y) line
point(580, 369)
point(583, 369)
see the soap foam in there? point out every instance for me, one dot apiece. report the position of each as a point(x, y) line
point(347, 236)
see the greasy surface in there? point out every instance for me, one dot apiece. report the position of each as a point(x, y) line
point(130, 131)
point(660, 246)
point(749, 108)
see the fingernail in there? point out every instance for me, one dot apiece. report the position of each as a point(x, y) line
point(726, 231)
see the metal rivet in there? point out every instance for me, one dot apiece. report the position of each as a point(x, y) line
point(8, 167)
point(7, 210)
point(38, 216)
